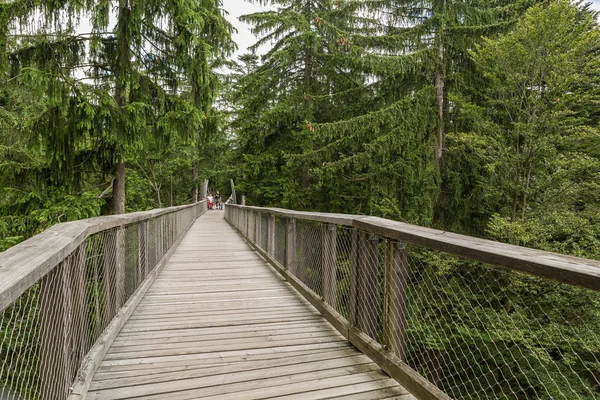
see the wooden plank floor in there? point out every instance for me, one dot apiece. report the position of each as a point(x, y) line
point(219, 323)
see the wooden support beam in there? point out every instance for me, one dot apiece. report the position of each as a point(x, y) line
point(258, 229)
point(329, 263)
point(396, 271)
point(56, 337)
point(367, 284)
point(271, 235)
point(353, 277)
point(290, 262)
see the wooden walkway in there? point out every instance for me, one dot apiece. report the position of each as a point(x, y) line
point(220, 323)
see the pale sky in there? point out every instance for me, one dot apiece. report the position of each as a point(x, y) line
point(235, 8)
point(245, 39)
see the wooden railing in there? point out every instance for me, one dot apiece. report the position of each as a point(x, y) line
point(66, 292)
point(446, 315)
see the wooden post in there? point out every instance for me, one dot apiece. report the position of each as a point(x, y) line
point(79, 327)
point(367, 282)
point(396, 271)
point(329, 263)
point(258, 227)
point(108, 277)
point(143, 250)
point(120, 268)
point(246, 222)
point(271, 236)
point(55, 333)
point(353, 277)
point(290, 253)
point(251, 227)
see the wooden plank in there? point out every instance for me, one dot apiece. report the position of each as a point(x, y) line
point(372, 390)
point(329, 263)
point(338, 219)
point(202, 331)
point(347, 358)
point(249, 384)
point(567, 269)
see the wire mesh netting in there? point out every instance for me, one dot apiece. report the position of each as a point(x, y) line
point(46, 332)
point(475, 330)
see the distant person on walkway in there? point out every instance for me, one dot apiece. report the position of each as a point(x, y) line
point(209, 199)
point(218, 201)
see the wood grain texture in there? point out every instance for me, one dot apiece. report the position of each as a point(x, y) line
point(220, 323)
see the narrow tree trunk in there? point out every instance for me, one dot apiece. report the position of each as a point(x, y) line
point(171, 198)
point(195, 181)
point(118, 199)
point(440, 142)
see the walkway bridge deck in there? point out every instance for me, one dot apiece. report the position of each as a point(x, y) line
point(253, 303)
point(220, 323)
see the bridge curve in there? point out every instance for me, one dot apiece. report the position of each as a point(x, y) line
point(218, 322)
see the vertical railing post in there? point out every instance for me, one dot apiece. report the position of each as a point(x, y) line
point(367, 277)
point(290, 253)
point(258, 227)
point(353, 276)
point(251, 226)
point(271, 236)
point(120, 269)
point(329, 263)
point(79, 300)
point(396, 271)
point(56, 333)
point(143, 250)
point(108, 277)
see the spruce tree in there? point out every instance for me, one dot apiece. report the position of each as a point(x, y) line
point(280, 97)
point(143, 68)
point(415, 54)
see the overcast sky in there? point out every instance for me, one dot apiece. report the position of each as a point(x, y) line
point(244, 38)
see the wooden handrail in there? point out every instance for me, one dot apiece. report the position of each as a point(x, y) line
point(558, 267)
point(23, 265)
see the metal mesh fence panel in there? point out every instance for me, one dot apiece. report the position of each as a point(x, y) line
point(47, 331)
point(309, 255)
point(474, 330)
point(482, 332)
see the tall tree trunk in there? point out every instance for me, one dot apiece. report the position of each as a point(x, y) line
point(195, 181)
point(440, 78)
point(171, 198)
point(308, 73)
point(122, 61)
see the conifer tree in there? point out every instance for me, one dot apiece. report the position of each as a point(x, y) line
point(278, 97)
point(140, 68)
point(415, 54)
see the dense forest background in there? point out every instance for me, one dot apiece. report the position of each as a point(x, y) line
point(474, 116)
point(479, 117)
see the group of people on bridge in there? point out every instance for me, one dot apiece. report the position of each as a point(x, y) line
point(214, 202)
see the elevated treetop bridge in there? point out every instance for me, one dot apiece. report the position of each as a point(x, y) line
point(175, 304)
